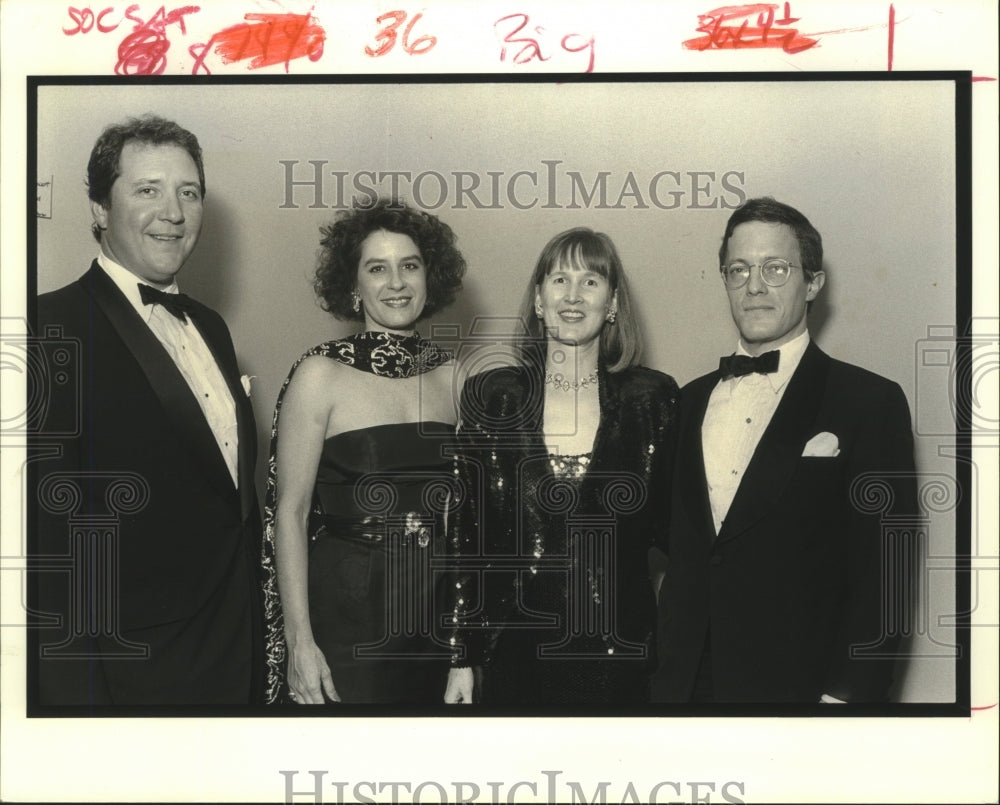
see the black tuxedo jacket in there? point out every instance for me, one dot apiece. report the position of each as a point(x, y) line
point(798, 595)
point(147, 551)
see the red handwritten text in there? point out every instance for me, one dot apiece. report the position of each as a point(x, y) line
point(387, 36)
point(86, 20)
point(730, 27)
point(144, 51)
point(265, 39)
point(531, 48)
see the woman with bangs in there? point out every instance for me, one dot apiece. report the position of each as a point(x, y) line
point(563, 468)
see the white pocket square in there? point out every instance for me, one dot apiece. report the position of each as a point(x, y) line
point(822, 445)
point(245, 381)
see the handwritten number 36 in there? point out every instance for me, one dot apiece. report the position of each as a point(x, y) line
point(386, 38)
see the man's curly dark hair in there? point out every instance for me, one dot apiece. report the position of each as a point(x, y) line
point(337, 269)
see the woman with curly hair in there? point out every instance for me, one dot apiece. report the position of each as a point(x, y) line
point(357, 473)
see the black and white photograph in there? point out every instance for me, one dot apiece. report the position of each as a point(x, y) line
point(413, 432)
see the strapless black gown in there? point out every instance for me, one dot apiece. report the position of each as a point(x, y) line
point(374, 529)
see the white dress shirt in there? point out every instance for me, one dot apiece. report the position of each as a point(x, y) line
point(192, 356)
point(739, 411)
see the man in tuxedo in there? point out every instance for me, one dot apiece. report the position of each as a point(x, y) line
point(783, 580)
point(146, 521)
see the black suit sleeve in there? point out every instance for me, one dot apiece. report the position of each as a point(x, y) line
point(463, 605)
point(58, 451)
point(665, 436)
point(882, 510)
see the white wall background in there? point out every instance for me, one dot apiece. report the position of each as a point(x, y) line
point(870, 163)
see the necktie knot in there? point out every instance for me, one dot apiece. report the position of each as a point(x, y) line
point(175, 303)
point(740, 365)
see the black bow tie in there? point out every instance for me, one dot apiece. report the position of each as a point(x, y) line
point(176, 303)
point(739, 365)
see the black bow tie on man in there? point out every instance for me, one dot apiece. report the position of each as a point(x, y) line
point(739, 365)
point(176, 303)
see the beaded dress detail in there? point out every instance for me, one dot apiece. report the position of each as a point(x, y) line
point(551, 595)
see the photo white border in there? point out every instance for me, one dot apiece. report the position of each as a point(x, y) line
point(822, 760)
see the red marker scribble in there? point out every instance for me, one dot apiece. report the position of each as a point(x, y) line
point(892, 32)
point(733, 27)
point(144, 51)
point(264, 39)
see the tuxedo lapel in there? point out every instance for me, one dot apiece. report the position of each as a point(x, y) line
point(247, 450)
point(179, 404)
point(780, 448)
point(691, 457)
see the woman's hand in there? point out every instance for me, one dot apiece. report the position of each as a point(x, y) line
point(459, 688)
point(305, 410)
point(309, 676)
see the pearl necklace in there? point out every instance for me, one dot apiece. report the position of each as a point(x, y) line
point(561, 383)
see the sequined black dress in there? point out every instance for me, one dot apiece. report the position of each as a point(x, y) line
point(551, 596)
point(573, 661)
point(374, 528)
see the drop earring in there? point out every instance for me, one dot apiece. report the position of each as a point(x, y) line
point(356, 301)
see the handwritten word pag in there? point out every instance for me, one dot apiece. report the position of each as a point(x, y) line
point(536, 43)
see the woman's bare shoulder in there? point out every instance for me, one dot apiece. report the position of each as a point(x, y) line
point(319, 378)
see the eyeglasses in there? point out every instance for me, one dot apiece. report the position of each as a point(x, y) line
point(774, 272)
